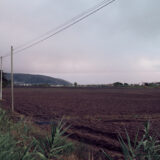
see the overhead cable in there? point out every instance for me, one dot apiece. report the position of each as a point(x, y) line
point(65, 26)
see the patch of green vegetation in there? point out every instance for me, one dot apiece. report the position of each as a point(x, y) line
point(147, 148)
point(54, 145)
point(16, 142)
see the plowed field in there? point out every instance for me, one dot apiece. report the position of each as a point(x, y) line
point(96, 115)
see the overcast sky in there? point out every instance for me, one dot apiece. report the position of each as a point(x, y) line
point(121, 42)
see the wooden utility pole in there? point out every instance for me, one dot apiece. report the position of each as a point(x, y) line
point(1, 83)
point(12, 80)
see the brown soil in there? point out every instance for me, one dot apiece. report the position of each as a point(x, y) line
point(96, 115)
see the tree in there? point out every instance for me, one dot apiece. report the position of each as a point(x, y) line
point(118, 84)
point(126, 84)
point(4, 79)
point(75, 84)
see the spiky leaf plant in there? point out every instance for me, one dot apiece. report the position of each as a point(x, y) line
point(147, 148)
point(54, 145)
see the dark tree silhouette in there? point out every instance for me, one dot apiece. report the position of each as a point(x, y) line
point(75, 84)
point(4, 79)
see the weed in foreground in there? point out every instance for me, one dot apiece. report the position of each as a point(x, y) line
point(56, 144)
point(16, 143)
point(147, 148)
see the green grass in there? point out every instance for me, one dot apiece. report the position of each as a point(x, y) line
point(16, 142)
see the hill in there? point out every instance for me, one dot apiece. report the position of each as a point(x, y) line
point(20, 78)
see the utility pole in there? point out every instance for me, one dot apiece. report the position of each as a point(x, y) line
point(1, 83)
point(12, 80)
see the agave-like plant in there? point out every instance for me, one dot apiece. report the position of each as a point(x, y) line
point(147, 148)
point(54, 145)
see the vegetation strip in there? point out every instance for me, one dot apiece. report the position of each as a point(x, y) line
point(17, 142)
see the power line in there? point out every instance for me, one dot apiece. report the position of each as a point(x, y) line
point(68, 24)
point(65, 27)
point(64, 24)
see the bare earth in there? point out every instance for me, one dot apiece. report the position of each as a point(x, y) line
point(96, 115)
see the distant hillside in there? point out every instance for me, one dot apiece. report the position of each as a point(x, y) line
point(20, 78)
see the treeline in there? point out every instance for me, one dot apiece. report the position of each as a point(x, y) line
point(120, 85)
point(144, 84)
